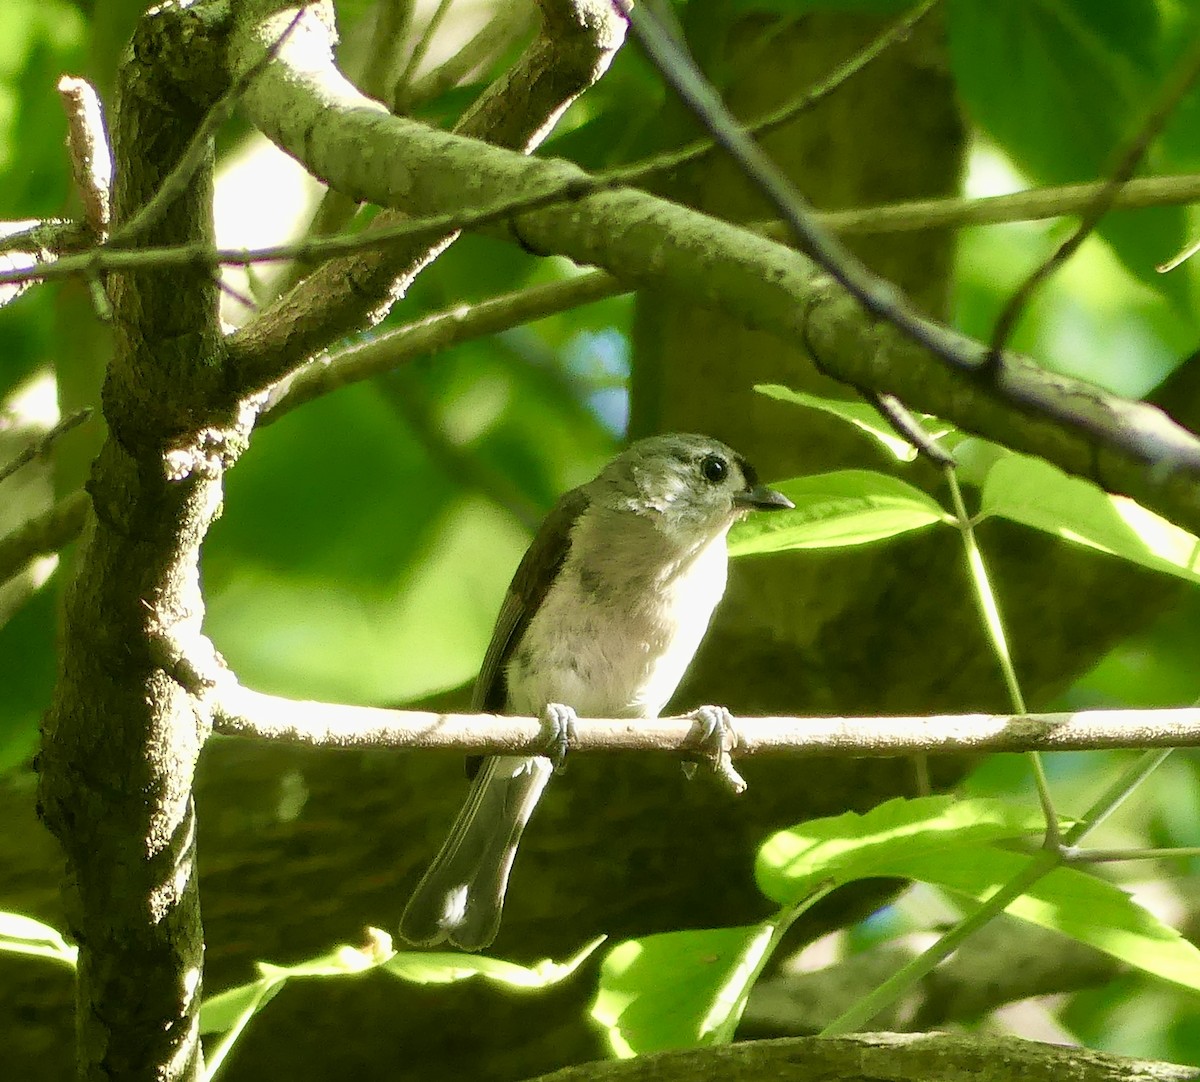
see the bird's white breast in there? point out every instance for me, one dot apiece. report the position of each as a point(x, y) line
point(614, 642)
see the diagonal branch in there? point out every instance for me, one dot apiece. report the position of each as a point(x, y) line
point(576, 44)
point(304, 104)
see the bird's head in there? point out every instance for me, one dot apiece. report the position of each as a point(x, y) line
point(692, 487)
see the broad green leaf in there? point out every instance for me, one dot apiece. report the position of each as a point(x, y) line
point(853, 846)
point(229, 1012)
point(1069, 901)
point(24, 935)
point(837, 510)
point(862, 415)
point(1037, 494)
point(678, 989)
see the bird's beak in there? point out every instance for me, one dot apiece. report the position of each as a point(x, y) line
point(761, 498)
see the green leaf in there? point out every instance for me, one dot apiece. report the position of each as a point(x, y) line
point(230, 1011)
point(862, 415)
point(679, 989)
point(24, 935)
point(950, 844)
point(1069, 901)
point(446, 968)
point(837, 510)
point(1037, 494)
point(791, 863)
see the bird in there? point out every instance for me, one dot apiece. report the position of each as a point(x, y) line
point(602, 618)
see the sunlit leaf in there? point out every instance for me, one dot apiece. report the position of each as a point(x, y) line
point(853, 846)
point(229, 1012)
point(446, 968)
point(1082, 906)
point(862, 415)
point(678, 989)
point(837, 510)
point(1035, 493)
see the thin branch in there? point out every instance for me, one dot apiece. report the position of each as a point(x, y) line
point(1109, 856)
point(1181, 81)
point(1036, 204)
point(42, 535)
point(439, 332)
point(813, 96)
point(46, 236)
point(420, 48)
point(492, 41)
point(40, 446)
point(107, 257)
point(392, 21)
point(241, 712)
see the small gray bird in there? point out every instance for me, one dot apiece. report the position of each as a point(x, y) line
point(603, 617)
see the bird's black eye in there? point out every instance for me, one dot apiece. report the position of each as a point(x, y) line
point(714, 468)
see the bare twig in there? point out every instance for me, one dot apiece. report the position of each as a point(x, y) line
point(392, 21)
point(241, 712)
point(1028, 206)
point(40, 446)
point(492, 41)
point(900, 417)
point(1181, 81)
point(1112, 856)
point(46, 236)
point(89, 150)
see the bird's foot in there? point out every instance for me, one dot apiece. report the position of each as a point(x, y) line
point(715, 739)
point(559, 720)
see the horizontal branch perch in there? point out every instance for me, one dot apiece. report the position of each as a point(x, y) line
point(241, 712)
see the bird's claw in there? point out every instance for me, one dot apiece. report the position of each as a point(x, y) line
point(560, 722)
point(715, 739)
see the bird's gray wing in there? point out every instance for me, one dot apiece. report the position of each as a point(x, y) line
point(461, 895)
point(533, 577)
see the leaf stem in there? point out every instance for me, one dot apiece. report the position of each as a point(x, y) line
point(990, 610)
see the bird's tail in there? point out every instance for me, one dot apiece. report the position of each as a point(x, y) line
point(461, 895)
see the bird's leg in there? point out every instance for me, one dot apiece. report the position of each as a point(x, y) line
point(715, 740)
point(560, 722)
